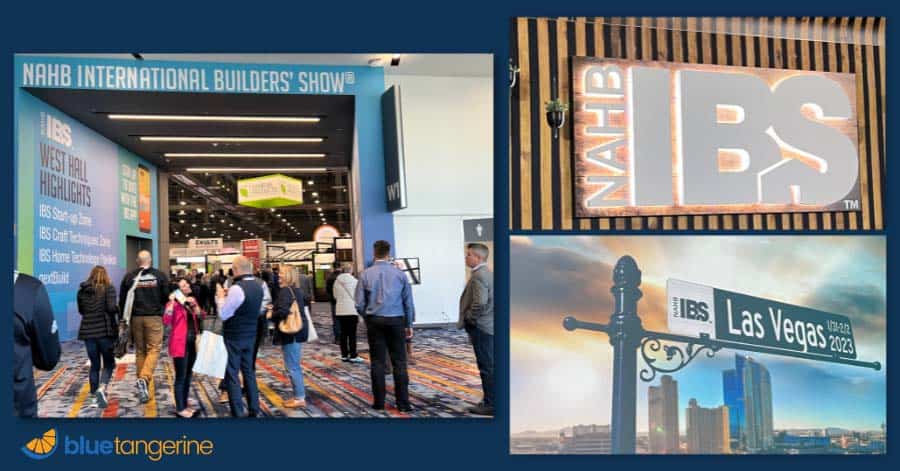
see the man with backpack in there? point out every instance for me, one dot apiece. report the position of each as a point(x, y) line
point(142, 299)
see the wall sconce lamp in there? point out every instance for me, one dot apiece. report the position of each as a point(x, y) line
point(513, 73)
point(556, 114)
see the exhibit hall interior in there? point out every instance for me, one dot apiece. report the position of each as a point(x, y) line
point(302, 167)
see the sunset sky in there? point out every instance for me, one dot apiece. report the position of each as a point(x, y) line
point(560, 378)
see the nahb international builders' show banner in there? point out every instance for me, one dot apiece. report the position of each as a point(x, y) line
point(78, 197)
point(365, 84)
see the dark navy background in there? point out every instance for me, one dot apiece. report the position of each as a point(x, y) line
point(343, 27)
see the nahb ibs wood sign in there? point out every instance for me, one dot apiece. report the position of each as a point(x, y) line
point(659, 138)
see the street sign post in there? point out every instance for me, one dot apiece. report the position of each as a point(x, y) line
point(705, 320)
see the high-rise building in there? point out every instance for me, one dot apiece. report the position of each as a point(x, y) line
point(586, 440)
point(707, 429)
point(747, 390)
point(663, 416)
point(733, 392)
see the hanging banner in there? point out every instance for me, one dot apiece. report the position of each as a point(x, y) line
point(394, 159)
point(270, 191)
point(253, 249)
point(212, 244)
point(660, 138)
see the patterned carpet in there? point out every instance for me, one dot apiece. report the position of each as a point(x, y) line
point(444, 381)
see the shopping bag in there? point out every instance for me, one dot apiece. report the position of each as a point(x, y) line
point(120, 348)
point(313, 336)
point(212, 357)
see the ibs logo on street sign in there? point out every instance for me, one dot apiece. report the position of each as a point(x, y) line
point(691, 308)
point(695, 309)
point(657, 138)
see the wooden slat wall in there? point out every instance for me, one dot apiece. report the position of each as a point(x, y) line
point(541, 187)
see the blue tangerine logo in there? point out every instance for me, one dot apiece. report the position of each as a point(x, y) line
point(41, 447)
point(45, 445)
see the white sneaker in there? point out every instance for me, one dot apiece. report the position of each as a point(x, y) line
point(356, 360)
point(143, 391)
point(100, 398)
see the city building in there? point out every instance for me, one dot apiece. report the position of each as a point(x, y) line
point(747, 390)
point(586, 440)
point(796, 444)
point(663, 416)
point(707, 429)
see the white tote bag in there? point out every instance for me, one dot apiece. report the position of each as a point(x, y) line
point(129, 298)
point(212, 357)
point(313, 336)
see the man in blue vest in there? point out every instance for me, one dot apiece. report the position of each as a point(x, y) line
point(239, 310)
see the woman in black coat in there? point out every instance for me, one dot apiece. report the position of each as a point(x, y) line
point(99, 310)
point(291, 344)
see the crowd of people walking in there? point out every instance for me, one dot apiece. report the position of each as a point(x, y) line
point(243, 307)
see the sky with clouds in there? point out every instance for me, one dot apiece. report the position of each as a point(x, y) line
point(560, 378)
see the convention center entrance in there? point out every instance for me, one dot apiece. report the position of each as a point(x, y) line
point(299, 168)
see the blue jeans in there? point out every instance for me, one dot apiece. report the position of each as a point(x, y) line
point(483, 344)
point(100, 349)
point(293, 353)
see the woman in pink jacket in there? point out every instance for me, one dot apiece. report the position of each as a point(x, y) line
point(184, 316)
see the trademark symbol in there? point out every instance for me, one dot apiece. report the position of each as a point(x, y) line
point(851, 204)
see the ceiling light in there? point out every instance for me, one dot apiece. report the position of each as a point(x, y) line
point(229, 139)
point(256, 170)
point(231, 225)
point(320, 209)
point(242, 155)
point(182, 203)
point(284, 220)
point(193, 225)
point(310, 182)
point(181, 212)
point(186, 117)
point(317, 201)
point(176, 232)
point(199, 210)
point(181, 221)
point(315, 193)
